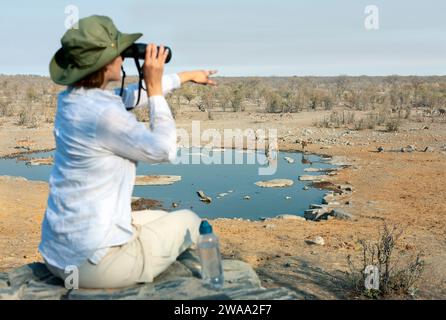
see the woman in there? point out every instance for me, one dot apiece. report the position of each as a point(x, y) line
point(88, 222)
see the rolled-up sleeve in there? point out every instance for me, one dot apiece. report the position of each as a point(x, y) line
point(169, 83)
point(120, 132)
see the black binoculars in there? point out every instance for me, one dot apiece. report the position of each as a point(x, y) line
point(138, 50)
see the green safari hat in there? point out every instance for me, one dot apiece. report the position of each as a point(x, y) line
point(91, 46)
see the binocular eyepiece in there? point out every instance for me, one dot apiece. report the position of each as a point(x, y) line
point(138, 50)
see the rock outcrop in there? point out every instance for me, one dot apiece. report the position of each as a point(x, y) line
point(180, 281)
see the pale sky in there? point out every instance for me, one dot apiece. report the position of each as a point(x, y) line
point(246, 37)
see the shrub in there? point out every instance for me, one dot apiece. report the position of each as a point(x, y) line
point(28, 117)
point(393, 125)
point(337, 119)
point(6, 109)
point(393, 278)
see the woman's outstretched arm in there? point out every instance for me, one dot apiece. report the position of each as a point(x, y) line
point(198, 76)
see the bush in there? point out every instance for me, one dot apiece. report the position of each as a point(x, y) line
point(393, 279)
point(6, 109)
point(337, 120)
point(392, 125)
point(28, 118)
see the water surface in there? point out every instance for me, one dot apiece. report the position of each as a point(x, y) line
point(213, 179)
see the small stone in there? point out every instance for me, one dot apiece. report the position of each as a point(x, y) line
point(290, 217)
point(380, 149)
point(317, 240)
point(203, 197)
point(316, 214)
point(328, 198)
point(289, 160)
point(287, 198)
point(345, 187)
point(246, 198)
point(341, 214)
point(305, 188)
point(174, 204)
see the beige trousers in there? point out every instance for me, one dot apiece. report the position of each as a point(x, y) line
point(159, 238)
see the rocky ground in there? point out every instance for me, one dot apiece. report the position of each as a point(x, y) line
point(395, 180)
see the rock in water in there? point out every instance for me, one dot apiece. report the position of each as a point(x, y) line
point(160, 180)
point(275, 183)
point(289, 160)
point(313, 170)
point(204, 197)
point(146, 204)
point(313, 178)
point(40, 161)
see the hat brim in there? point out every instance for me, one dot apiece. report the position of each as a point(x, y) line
point(66, 74)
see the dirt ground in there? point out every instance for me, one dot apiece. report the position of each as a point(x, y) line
point(404, 188)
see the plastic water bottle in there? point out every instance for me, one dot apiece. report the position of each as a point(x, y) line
point(209, 251)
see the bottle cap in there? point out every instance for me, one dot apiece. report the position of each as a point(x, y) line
point(205, 227)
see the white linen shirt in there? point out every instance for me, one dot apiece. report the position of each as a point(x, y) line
point(98, 144)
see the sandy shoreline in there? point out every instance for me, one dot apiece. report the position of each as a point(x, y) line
point(405, 188)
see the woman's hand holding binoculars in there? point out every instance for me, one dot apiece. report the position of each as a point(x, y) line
point(153, 69)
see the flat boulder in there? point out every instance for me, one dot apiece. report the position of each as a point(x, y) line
point(290, 217)
point(157, 180)
point(313, 178)
point(275, 183)
point(312, 169)
point(180, 281)
point(342, 214)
